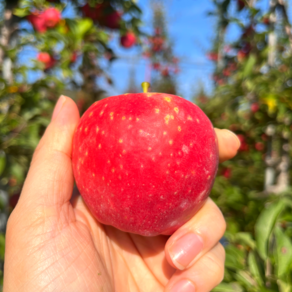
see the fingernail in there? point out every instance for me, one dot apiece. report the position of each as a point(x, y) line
point(185, 249)
point(234, 135)
point(58, 106)
point(183, 286)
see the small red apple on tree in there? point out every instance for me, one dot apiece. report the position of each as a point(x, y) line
point(156, 66)
point(254, 107)
point(46, 59)
point(240, 5)
point(226, 172)
point(146, 162)
point(165, 72)
point(52, 17)
point(243, 145)
point(259, 146)
point(128, 40)
point(92, 12)
point(48, 18)
point(213, 56)
point(112, 20)
point(73, 57)
point(38, 21)
point(241, 55)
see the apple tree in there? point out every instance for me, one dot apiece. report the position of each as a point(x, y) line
point(252, 97)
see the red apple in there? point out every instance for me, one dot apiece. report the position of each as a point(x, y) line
point(38, 21)
point(165, 72)
point(226, 172)
point(254, 107)
point(52, 17)
point(112, 20)
point(241, 55)
point(266, 20)
point(94, 13)
point(259, 146)
point(213, 56)
point(240, 4)
point(46, 59)
point(73, 57)
point(156, 66)
point(145, 162)
point(128, 40)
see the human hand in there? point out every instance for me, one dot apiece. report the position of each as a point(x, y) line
point(54, 244)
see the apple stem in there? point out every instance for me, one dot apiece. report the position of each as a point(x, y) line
point(145, 86)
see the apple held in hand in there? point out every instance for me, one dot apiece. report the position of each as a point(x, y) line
point(146, 162)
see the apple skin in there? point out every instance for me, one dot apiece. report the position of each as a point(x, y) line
point(144, 163)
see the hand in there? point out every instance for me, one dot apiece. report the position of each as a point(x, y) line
point(54, 244)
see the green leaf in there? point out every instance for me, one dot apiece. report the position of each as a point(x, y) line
point(249, 65)
point(283, 286)
point(254, 268)
point(283, 252)
point(245, 278)
point(82, 27)
point(2, 161)
point(234, 257)
point(245, 238)
point(230, 287)
point(21, 12)
point(264, 226)
point(2, 246)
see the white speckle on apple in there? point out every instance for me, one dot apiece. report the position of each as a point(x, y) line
point(185, 149)
point(179, 128)
point(176, 110)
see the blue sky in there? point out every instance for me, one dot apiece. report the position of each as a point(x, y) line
point(190, 30)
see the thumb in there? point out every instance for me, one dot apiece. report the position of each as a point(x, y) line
point(50, 178)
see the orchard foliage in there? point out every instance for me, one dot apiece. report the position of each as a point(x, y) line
point(252, 97)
